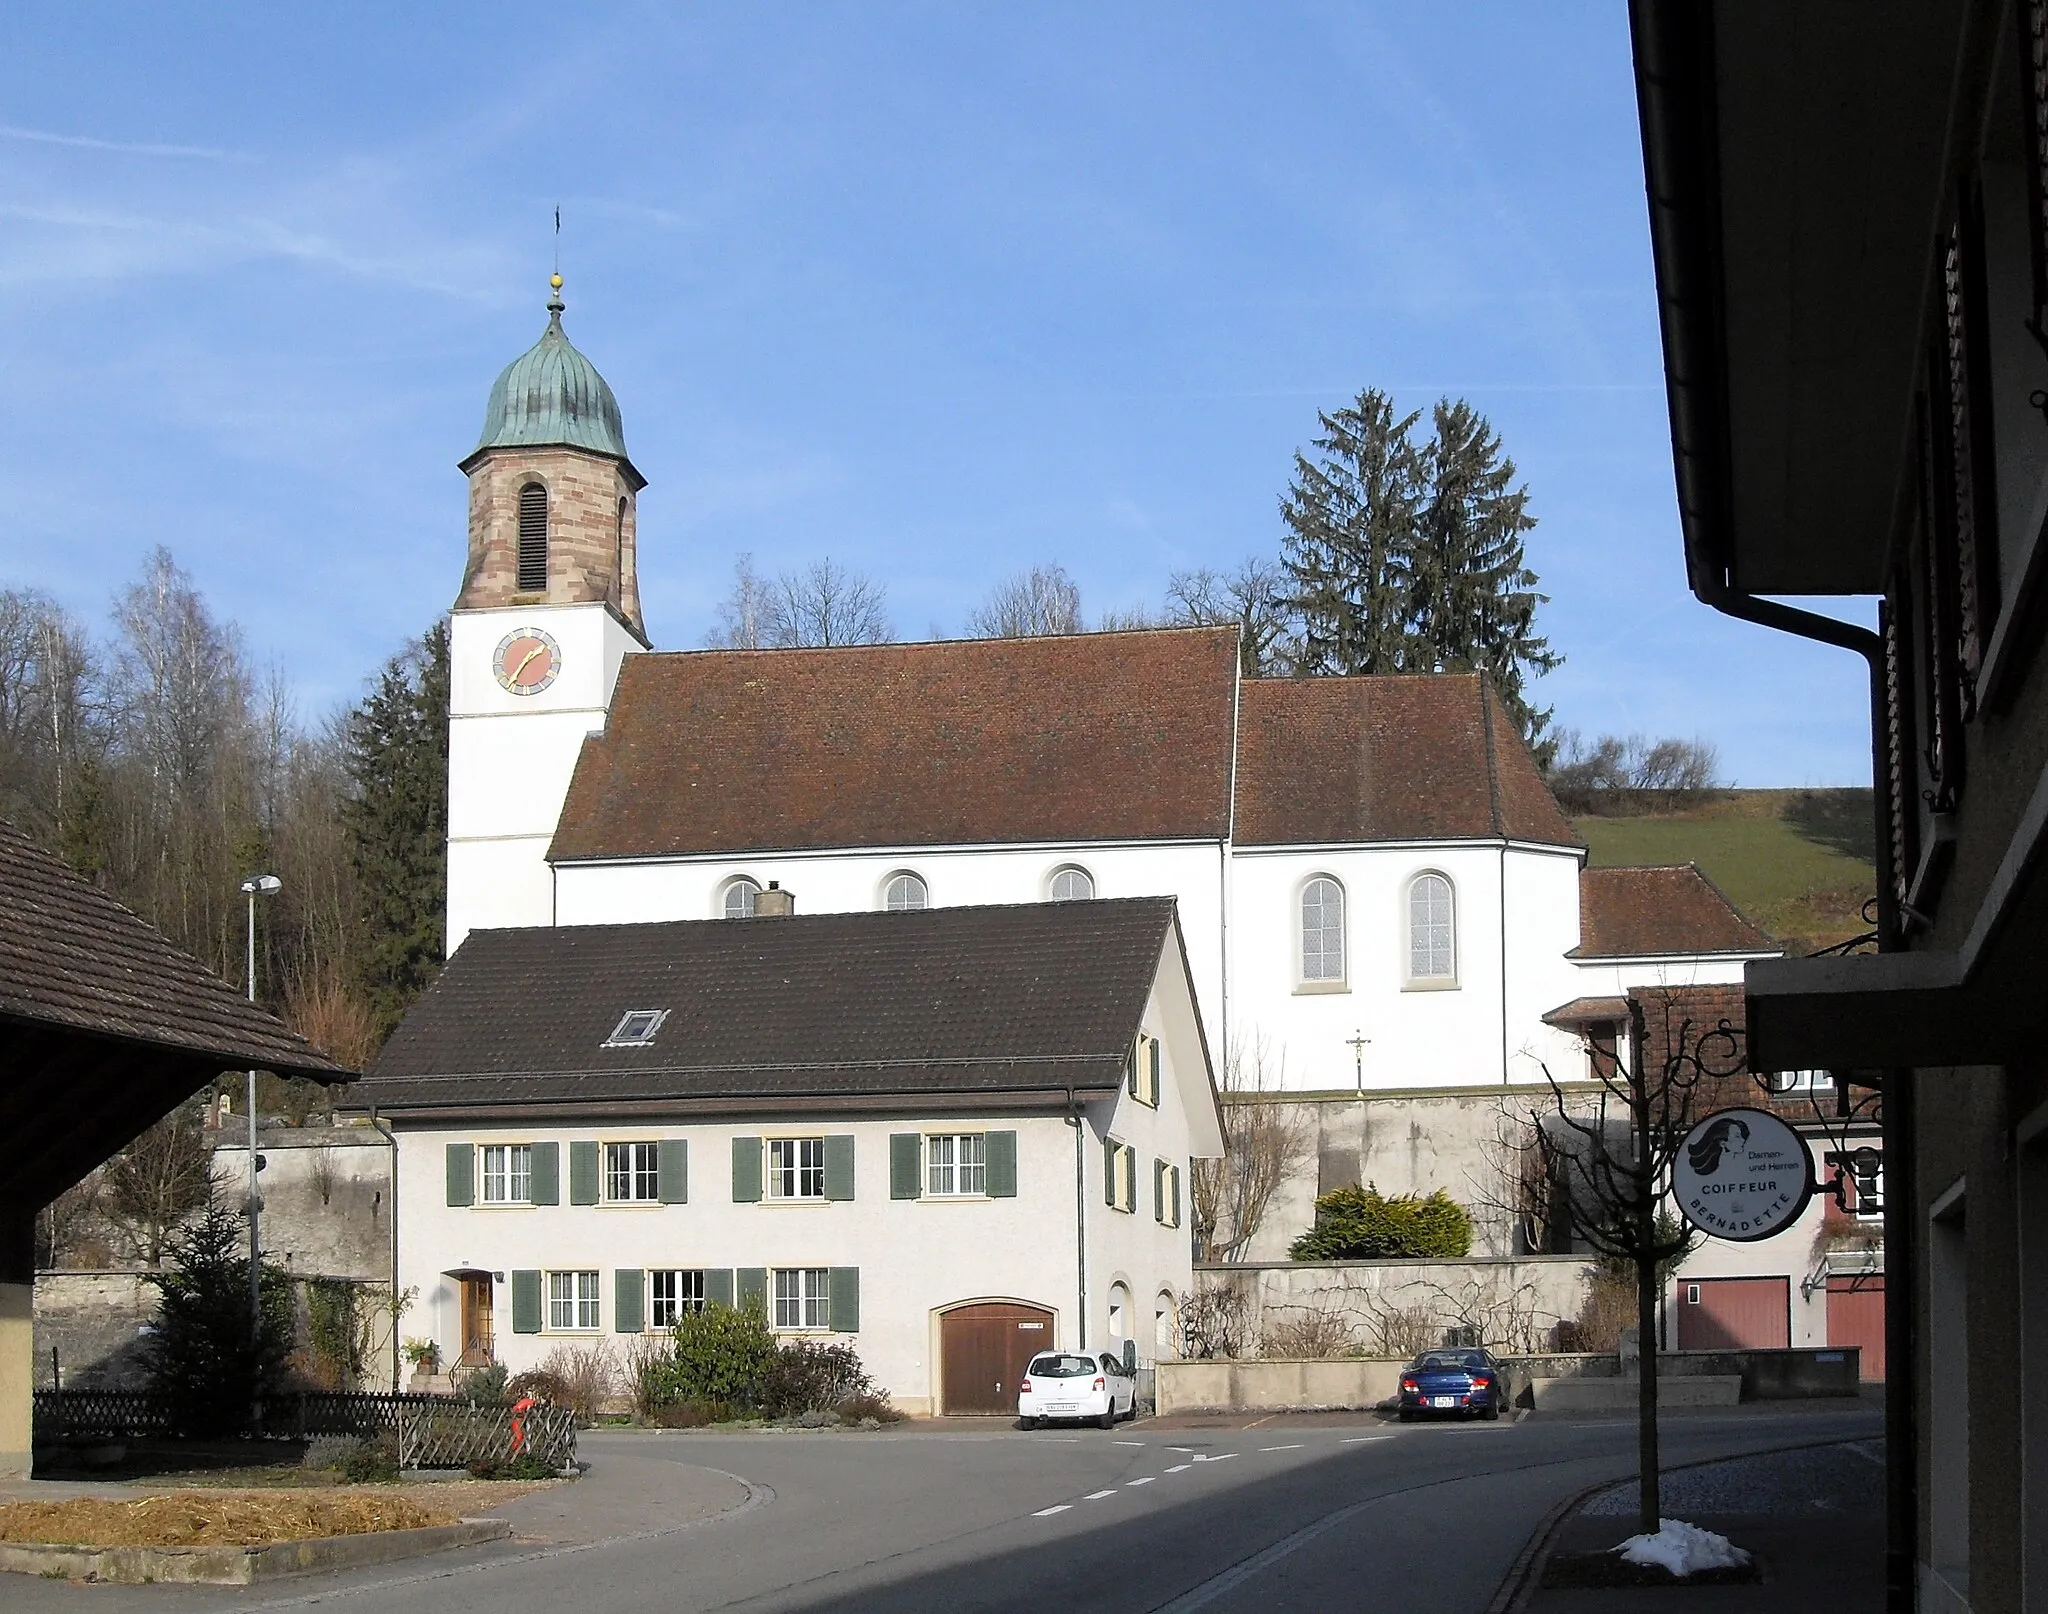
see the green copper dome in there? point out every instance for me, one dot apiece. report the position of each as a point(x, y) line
point(551, 396)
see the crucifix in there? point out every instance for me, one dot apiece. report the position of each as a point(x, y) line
point(1357, 1043)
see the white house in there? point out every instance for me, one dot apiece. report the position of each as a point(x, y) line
point(952, 1137)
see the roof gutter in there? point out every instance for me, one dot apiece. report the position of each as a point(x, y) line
point(1676, 100)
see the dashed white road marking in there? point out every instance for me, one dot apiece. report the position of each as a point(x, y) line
point(1046, 1513)
point(1147, 1480)
point(1363, 1440)
point(1184, 1450)
point(1179, 1468)
point(1127, 1443)
point(1295, 1447)
point(1097, 1496)
point(1220, 1457)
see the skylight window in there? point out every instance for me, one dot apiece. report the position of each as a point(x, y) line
point(636, 1029)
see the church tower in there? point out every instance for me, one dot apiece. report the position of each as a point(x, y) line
point(549, 609)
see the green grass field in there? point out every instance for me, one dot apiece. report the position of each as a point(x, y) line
point(1797, 862)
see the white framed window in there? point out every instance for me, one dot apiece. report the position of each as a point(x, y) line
point(1322, 931)
point(572, 1300)
point(905, 892)
point(636, 1028)
point(736, 898)
point(1071, 884)
point(632, 1173)
point(1432, 929)
point(507, 1173)
point(673, 1295)
point(796, 1168)
point(800, 1297)
point(1141, 1071)
point(956, 1165)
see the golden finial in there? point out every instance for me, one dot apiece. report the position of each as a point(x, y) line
point(555, 303)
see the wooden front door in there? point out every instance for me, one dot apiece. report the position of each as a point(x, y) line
point(983, 1351)
point(1730, 1314)
point(476, 1320)
point(1856, 1317)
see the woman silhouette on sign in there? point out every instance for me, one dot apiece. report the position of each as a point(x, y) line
point(1705, 1155)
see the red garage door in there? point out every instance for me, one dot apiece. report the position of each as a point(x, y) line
point(1724, 1314)
point(1856, 1317)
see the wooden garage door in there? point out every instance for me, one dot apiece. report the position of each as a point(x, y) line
point(1724, 1314)
point(983, 1351)
point(1856, 1317)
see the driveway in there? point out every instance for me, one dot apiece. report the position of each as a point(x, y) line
point(1292, 1513)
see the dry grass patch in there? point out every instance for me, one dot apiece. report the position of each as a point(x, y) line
point(210, 1519)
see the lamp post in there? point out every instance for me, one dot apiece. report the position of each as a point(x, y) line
point(257, 885)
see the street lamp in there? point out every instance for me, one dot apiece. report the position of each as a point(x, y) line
point(257, 885)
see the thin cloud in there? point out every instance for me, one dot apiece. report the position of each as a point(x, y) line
point(127, 148)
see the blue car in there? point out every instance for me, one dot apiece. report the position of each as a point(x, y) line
point(1454, 1383)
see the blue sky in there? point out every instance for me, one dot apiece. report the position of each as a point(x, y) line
point(938, 290)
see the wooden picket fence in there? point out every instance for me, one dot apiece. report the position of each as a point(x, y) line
point(433, 1431)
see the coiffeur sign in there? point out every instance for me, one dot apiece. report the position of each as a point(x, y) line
point(1743, 1175)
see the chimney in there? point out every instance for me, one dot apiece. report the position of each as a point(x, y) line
point(774, 903)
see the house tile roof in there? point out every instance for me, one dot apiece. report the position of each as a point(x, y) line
point(73, 959)
point(1385, 759)
point(1587, 1012)
point(949, 1002)
point(1655, 912)
point(1103, 736)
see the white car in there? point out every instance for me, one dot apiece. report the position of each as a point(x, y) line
point(1071, 1384)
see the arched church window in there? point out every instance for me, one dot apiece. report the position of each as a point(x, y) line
point(1432, 929)
point(619, 530)
point(1071, 884)
point(905, 893)
point(736, 901)
point(533, 539)
point(1322, 930)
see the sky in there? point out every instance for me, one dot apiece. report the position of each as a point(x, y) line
point(939, 291)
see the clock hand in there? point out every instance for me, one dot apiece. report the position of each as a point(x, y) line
point(526, 661)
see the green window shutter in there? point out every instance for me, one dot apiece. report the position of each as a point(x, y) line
point(718, 1286)
point(1131, 1071)
point(999, 1155)
point(545, 1183)
point(629, 1292)
point(746, 1171)
point(672, 1170)
point(526, 1302)
point(1159, 1190)
point(842, 1299)
point(583, 1173)
point(751, 1288)
point(1174, 1173)
point(1152, 1071)
point(839, 1167)
point(461, 1174)
point(906, 1165)
point(1109, 1151)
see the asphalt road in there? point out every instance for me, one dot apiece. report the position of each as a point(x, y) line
point(1426, 1519)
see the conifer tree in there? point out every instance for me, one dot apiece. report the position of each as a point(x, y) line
point(397, 821)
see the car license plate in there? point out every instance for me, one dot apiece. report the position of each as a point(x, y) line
point(1443, 1401)
point(1064, 1408)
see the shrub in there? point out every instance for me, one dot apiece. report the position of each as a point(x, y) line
point(525, 1466)
point(869, 1405)
point(483, 1386)
point(373, 1459)
point(539, 1383)
point(1311, 1336)
point(721, 1353)
point(327, 1453)
point(1362, 1224)
point(587, 1375)
point(807, 1376)
point(204, 1358)
point(694, 1414)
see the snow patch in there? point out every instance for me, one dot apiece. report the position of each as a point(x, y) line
point(1683, 1549)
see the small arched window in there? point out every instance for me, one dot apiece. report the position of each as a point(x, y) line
point(619, 531)
point(736, 901)
point(1071, 884)
point(533, 539)
point(1432, 929)
point(905, 893)
point(1322, 930)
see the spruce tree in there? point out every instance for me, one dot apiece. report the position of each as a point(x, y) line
point(397, 822)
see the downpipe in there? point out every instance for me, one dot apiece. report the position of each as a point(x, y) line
point(391, 1138)
point(1080, 1222)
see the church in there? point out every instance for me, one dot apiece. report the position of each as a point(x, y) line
point(1385, 913)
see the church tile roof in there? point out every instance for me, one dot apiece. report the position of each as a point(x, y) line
point(1091, 737)
point(1386, 759)
point(946, 1003)
point(1657, 912)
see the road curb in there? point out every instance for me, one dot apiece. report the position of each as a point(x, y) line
point(1524, 1574)
point(242, 1566)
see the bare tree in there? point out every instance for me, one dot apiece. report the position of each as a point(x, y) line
point(1614, 1159)
point(1254, 596)
point(1213, 1324)
point(1622, 774)
point(157, 1181)
point(823, 605)
point(1266, 1141)
point(1043, 600)
point(742, 614)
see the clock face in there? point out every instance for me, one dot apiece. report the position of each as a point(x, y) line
point(527, 661)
